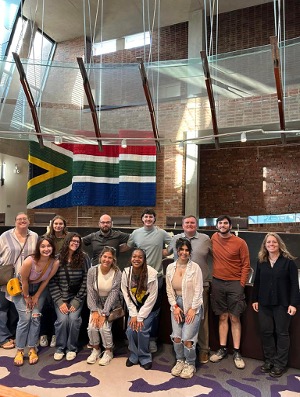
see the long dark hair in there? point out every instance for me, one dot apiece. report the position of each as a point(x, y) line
point(78, 255)
point(143, 277)
point(51, 232)
point(37, 253)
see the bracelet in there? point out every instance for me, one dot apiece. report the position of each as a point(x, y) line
point(175, 306)
point(26, 296)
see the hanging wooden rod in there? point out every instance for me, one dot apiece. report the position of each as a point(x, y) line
point(149, 101)
point(211, 98)
point(29, 96)
point(277, 75)
point(90, 98)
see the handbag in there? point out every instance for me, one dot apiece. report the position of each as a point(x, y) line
point(14, 287)
point(6, 273)
point(116, 313)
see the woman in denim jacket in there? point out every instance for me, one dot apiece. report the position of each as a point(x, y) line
point(184, 290)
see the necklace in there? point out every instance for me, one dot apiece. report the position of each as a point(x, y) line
point(272, 261)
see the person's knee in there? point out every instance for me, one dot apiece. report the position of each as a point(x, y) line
point(189, 344)
point(234, 319)
point(176, 339)
point(223, 317)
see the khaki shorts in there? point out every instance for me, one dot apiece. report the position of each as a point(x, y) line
point(227, 297)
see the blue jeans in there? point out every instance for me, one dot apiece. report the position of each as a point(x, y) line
point(8, 318)
point(186, 332)
point(139, 342)
point(28, 328)
point(67, 328)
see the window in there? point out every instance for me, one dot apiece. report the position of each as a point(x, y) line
point(137, 40)
point(105, 47)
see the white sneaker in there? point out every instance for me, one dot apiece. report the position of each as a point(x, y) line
point(53, 341)
point(43, 341)
point(178, 367)
point(188, 371)
point(58, 356)
point(70, 356)
point(93, 357)
point(106, 358)
point(152, 346)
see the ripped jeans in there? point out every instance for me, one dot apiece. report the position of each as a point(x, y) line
point(28, 328)
point(186, 332)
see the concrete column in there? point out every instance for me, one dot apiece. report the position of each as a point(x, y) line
point(195, 45)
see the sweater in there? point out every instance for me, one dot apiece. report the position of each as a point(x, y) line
point(231, 259)
point(94, 301)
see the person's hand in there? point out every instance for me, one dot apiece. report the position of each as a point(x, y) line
point(177, 313)
point(72, 309)
point(133, 323)
point(28, 302)
point(101, 321)
point(190, 316)
point(291, 310)
point(139, 325)
point(64, 308)
point(95, 319)
point(34, 301)
point(255, 306)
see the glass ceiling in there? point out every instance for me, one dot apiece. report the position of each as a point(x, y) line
point(243, 84)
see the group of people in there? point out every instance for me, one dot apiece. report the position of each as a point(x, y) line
point(58, 277)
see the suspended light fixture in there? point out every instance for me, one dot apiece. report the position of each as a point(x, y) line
point(124, 144)
point(243, 137)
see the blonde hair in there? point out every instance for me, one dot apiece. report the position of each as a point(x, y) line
point(263, 253)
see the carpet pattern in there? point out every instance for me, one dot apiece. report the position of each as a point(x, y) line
point(49, 378)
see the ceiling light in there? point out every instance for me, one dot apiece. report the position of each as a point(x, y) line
point(124, 144)
point(243, 137)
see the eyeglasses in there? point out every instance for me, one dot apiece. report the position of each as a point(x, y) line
point(75, 241)
point(21, 219)
point(105, 223)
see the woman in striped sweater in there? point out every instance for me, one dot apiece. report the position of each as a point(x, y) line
point(68, 291)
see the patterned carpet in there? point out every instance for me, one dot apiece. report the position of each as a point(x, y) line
point(49, 378)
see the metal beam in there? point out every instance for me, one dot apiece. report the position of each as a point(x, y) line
point(90, 98)
point(149, 101)
point(29, 96)
point(277, 75)
point(211, 98)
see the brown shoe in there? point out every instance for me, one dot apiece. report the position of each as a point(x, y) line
point(203, 357)
point(9, 344)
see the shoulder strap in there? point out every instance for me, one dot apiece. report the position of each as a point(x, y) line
point(67, 273)
point(43, 271)
point(22, 248)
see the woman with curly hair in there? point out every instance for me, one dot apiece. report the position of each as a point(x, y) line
point(139, 286)
point(68, 291)
point(57, 231)
point(275, 297)
point(103, 295)
point(34, 274)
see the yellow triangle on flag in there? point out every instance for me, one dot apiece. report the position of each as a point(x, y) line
point(53, 171)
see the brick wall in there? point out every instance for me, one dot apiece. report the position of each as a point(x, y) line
point(231, 180)
point(252, 27)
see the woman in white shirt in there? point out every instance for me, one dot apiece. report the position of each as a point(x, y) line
point(103, 295)
point(184, 290)
point(139, 286)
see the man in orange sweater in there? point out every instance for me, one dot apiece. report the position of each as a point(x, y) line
point(231, 266)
